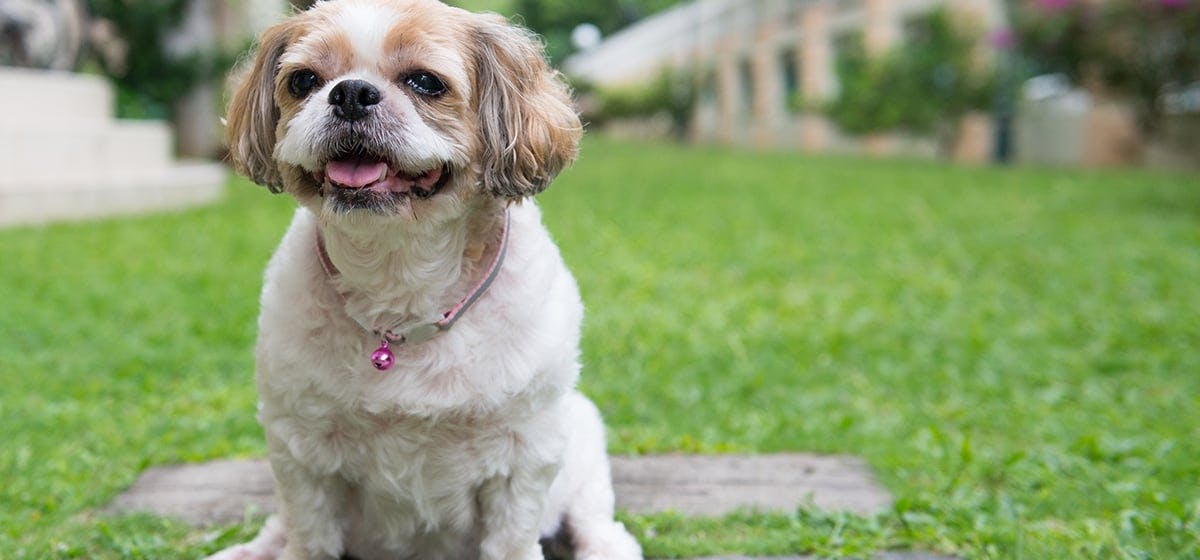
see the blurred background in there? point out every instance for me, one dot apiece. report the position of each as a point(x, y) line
point(1074, 83)
point(1064, 82)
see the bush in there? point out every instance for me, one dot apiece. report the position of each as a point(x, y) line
point(923, 86)
point(152, 78)
point(672, 93)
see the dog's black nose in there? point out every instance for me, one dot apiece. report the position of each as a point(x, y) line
point(351, 98)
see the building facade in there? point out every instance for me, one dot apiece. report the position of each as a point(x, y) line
point(760, 63)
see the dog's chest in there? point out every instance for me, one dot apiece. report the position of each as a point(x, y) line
point(405, 456)
point(406, 476)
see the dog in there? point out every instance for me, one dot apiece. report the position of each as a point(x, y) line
point(418, 342)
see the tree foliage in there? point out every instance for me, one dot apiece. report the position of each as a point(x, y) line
point(923, 85)
point(555, 19)
point(152, 78)
point(1138, 50)
point(672, 94)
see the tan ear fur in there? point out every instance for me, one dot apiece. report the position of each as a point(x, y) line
point(253, 115)
point(529, 129)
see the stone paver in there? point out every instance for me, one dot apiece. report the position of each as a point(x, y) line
point(224, 491)
point(713, 485)
point(202, 494)
point(883, 556)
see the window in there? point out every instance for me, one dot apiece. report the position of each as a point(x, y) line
point(790, 70)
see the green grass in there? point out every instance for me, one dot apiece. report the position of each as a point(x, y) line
point(1016, 352)
point(498, 6)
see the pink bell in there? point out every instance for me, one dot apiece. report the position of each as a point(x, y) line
point(382, 358)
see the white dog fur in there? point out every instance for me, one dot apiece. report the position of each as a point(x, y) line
point(476, 443)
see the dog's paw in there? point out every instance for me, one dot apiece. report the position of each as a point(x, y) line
point(268, 545)
point(605, 540)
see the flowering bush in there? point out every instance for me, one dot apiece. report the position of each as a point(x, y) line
point(1138, 50)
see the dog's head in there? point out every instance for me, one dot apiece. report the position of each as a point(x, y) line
point(400, 108)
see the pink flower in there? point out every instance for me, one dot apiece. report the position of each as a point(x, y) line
point(1174, 4)
point(1002, 39)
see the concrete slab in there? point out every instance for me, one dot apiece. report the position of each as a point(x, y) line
point(713, 485)
point(223, 491)
point(202, 494)
point(883, 556)
point(226, 491)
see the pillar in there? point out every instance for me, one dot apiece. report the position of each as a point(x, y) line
point(768, 104)
point(816, 72)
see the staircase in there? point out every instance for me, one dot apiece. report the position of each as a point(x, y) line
point(63, 156)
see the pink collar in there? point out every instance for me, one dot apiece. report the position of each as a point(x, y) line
point(383, 358)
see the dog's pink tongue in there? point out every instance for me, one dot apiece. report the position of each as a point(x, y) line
point(355, 173)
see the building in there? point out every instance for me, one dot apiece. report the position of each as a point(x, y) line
point(759, 58)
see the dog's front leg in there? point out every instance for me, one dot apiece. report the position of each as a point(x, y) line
point(512, 508)
point(310, 505)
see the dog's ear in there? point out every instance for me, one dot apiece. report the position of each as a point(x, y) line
point(253, 115)
point(529, 129)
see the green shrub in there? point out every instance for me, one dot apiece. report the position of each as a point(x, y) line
point(673, 93)
point(152, 79)
point(922, 86)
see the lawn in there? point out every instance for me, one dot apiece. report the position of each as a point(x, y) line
point(1016, 352)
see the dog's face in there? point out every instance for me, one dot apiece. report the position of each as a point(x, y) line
point(400, 108)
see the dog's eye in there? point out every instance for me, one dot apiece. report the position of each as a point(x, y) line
point(425, 83)
point(301, 82)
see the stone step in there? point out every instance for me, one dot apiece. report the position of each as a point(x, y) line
point(50, 156)
point(41, 97)
point(178, 185)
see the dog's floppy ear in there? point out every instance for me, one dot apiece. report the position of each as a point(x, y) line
point(253, 116)
point(529, 129)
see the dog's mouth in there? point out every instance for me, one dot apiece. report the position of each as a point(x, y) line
point(362, 175)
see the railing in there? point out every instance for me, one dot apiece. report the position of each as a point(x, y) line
point(686, 32)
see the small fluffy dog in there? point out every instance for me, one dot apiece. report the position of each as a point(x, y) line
point(418, 341)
